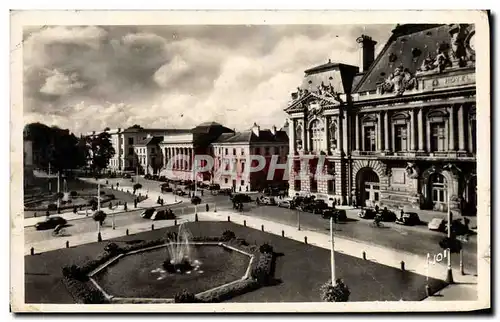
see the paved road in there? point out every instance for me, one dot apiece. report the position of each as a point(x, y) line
point(416, 240)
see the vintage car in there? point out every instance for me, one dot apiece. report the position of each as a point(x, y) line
point(147, 213)
point(268, 201)
point(286, 203)
point(50, 223)
point(367, 213)
point(195, 200)
point(408, 219)
point(337, 214)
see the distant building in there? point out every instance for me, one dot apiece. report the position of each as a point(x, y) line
point(401, 131)
point(232, 157)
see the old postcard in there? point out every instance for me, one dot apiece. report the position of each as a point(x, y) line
point(238, 161)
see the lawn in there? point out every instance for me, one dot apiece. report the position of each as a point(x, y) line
point(301, 270)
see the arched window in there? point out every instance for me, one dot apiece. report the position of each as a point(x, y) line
point(400, 130)
point(316, 134)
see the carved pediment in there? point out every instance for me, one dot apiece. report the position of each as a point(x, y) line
point(303, 101)
point(400, 80)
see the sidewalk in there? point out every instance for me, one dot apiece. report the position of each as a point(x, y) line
point(465, 287)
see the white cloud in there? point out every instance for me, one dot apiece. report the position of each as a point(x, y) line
point(60, 84)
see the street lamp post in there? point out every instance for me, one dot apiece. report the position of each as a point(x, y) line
point(98, 206)
point(332, 251)
point(449, 274)
point(298, 219)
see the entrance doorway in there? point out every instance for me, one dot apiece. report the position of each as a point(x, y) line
point(438, 192)
point(471, 197)
point(369, 188)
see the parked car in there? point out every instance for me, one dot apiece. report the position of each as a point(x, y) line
point(226, 191)
point(214, 186)
point(179, 192)
point(196, 200)
point(163, 215)
point(408, 219)
point(285, 204)
point(50, 223)
point(436, 224)
point(367, 213)
point(241, 197)
point(147, 213)
point(168, 189)
point(386, 215)
point(268, 201)
point(318, 206)
point(337, 214)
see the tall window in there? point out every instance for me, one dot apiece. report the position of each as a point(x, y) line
point(316, 133)
point(234, 151)
point(297, 185)
point(130, 141)
point(331, 181)
point(226, 151)
point(130, 151)
point(439, 193)
point(438, 137)
point(369, 139)
point(401, 135)
point(314, 185)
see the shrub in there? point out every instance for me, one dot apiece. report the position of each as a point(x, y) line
point(185, 297)
point(75, 210)
point(338, 293)
point(83, 292)
point(262, 271)
point(112, 248)
point(102, 193)
point(136, 187)
point(52, 207)
point(229, 291)
point(99, 216)
point(73, 193)
point(266, 248)
point(228, 235)
point(74, 272)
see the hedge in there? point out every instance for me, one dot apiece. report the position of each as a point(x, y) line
point(263, 270)
point(84, 292)
point(229, 291)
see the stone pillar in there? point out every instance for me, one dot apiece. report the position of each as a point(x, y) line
point(421, 147)
point(357, 134)
point(461, 132)
point(451, 126)
point(412, 130)
point(291, 137)
point(345, 146)
point(305, 144)
point(379, 132)
point(326, 135)
point(386, 132)
point(340, 137)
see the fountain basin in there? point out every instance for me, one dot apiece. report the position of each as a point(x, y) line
point(141, 274)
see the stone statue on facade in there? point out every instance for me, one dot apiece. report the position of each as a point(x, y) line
point(458, 33)
point(333, 135)
point(399, 81)
point(412, 170)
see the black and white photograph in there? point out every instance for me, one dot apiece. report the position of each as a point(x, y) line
point(250, 162)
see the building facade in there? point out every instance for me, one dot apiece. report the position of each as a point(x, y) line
point(232, 160)
point(402, 130)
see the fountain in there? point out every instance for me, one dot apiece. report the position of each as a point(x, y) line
point(179, 253)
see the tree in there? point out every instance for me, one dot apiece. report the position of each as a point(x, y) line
point(100, 151)
point(136, 187)
point(338, 293)
point(99, 216)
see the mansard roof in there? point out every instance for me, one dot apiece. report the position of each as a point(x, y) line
point(408, 46)
point(335, 74)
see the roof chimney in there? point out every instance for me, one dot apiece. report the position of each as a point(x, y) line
point(273, 130)
point(256, 129)
point(366, 52)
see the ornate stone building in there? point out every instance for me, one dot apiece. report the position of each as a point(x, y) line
point(401, 131)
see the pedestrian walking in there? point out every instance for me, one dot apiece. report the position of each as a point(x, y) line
point(206, 207)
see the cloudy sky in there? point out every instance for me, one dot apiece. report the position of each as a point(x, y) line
point(91, 77)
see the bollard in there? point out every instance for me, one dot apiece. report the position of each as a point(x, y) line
point(229, 218)
point(32, 251)
point(402, 265)
point(305, 240)
point(282, 233)
point(126, 232)
point(152, 227)
point(428, 290)
point(195, 217)
point(262, 227)
point(99, 237)
point(215, 208)
point(34, 214)
point(364, 255)
point(175, 222)
point(67, 244)
point(244, 223)
point(462, 262)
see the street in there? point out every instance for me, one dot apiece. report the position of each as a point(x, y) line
point(416, 240)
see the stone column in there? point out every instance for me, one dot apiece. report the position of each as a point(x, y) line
point(345, 146)
point(451, 126)
point(379, 132)
point(291, 137)
point(461, 132)
point(357, 134)
point(412, 130)
point(305, 144)
point(420, 131)
point(326, 135)
point(340, 137)
point(386, 132)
